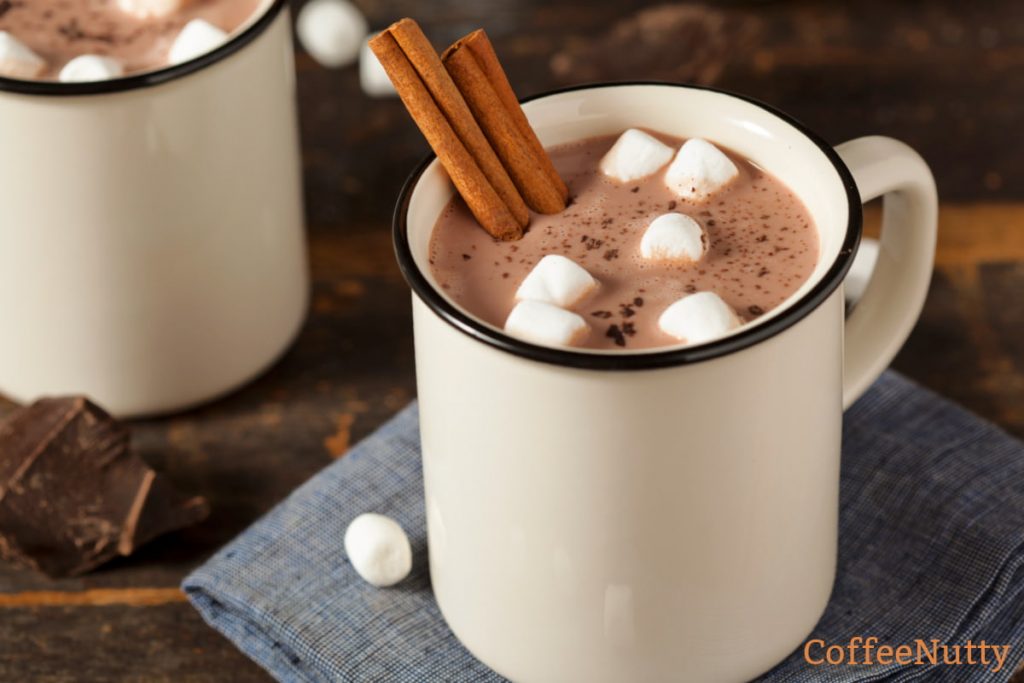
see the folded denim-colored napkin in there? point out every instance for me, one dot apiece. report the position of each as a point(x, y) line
point(931, 545)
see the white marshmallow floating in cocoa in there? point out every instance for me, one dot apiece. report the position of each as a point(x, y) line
point(699, 170)
point(331, 31)
point(150, 9)
point(544, 323)
point(90, 68)
point(635, 155)
point(17, 60)
point(698, 318)
point(673, 237)
point(556, 280)
point(373, 79)
point(378, 549)
point(196, 38)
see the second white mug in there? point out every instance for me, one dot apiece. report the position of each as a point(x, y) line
point(152, 248)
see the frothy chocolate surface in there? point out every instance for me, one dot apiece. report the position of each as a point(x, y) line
point(762, 246)
point(60, 30)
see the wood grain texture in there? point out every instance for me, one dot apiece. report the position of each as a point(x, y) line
point(943, 75)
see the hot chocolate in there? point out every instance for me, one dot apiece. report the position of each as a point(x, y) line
point(752, 243)
point(129, 35)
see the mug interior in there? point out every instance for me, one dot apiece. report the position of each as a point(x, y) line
point(771, 140)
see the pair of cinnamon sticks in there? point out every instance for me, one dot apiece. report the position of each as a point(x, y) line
point(469, 114)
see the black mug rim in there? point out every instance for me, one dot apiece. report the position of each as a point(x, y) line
point(655, 358)
point(147, 79)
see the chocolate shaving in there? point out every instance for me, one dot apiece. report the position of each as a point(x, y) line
point(73, 495)
point(616, 334)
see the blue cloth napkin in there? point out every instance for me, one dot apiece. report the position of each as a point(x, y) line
point(930, 547)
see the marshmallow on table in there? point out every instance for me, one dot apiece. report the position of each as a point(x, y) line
point(373, 79)
point(17, 60)
point(543, 323)
point(91, 68)
point(196, 38)
point(860, 270)
point(331, 31)
point(698, 318)
point(674, 237)
point(378, 549)
point(150, 9)
point(556, 280)
point(699, 170)
point(635, 155)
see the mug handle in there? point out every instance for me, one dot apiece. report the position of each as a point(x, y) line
point(882, 319)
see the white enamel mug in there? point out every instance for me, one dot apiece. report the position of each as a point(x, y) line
point(666, 515)
point(152, 249)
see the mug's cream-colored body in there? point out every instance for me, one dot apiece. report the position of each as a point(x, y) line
point(152, 250)
point(593, 516)
point(670, 524)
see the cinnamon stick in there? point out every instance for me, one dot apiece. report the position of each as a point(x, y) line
point(479, 44)
point(421, 54)
point(532, 173)
point(488, 206)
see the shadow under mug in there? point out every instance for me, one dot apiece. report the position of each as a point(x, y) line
point(667, 514)
point(152, 249)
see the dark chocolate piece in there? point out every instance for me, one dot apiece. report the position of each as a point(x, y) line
point(73, 495)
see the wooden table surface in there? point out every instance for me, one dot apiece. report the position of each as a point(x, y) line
point(947, 77)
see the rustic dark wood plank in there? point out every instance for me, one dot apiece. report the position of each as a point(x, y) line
point(117, 644)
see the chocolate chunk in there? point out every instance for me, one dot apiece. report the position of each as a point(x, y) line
point(755, 310)
point(602, 314)
point(73, 495)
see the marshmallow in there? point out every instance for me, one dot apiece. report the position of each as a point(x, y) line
point(556, 280)
point(699, 170)
point(372, 77)
point(635, 155)
point(860, 270)
point(197, 38)
point(542, 323)
point(17, 60)
point(673, 236)
point(332, 31)
point(378, 549)
point(698, 318)
point(91, 68)
point(150, 9)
